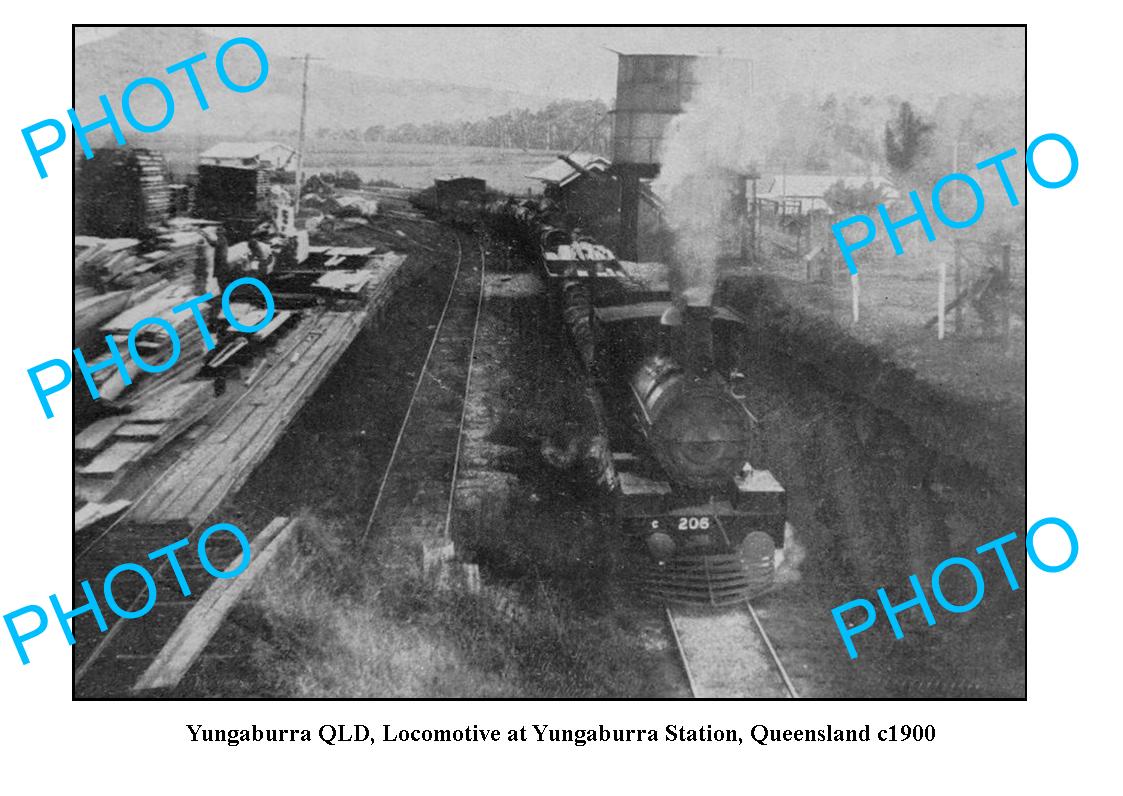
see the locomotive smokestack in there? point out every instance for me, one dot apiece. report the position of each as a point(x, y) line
point(698, 339)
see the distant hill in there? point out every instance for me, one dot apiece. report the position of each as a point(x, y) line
point(338, 99)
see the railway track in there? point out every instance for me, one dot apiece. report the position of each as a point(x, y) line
point(726, 653)
point(414, 501)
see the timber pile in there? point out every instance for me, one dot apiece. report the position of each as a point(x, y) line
point(230, 192)
point(159, 305)
point(116, 456)
point(108, 449)
point(106, 264)
point(152, 342)
point(113, 274)
point(131, 186)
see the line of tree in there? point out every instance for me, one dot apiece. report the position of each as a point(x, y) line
point(565, 124)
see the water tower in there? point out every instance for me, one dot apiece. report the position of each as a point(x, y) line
point(650, 91)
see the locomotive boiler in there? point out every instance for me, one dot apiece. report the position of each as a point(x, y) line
point(694, 425)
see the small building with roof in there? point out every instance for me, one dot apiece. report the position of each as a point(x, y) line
point(580, 185)
point(801, 194)
point(251, 154)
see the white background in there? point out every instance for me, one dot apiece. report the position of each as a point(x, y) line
point(1060, 738)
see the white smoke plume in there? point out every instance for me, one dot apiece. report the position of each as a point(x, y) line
point(723, 132)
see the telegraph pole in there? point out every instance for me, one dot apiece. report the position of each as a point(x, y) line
point(300, 143)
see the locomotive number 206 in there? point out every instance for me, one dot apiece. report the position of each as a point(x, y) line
point(685, 524)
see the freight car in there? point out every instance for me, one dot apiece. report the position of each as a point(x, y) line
point(680, 448)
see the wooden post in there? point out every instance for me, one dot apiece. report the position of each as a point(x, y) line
point(628, 243)
point(742, 220)
point(854, 297)
point(300, 142)
point(958, 288)
point(755, 226)
point(831, 266)
point(941, 299)
point(1006, 296)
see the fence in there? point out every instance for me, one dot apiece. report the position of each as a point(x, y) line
point(980, 286)
point(988, 281)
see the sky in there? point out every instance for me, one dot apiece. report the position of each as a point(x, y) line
point(580, 63)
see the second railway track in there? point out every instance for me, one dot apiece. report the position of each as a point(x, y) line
point(414, 499)
point(726, 653)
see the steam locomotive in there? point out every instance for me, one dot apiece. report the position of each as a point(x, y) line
point(676, 443)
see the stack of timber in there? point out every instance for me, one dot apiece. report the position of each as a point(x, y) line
point(121, 281)
point(113, 274)
point(153, 344)
point(166, 476)
point(108, 449)
point(232, 193)
point(120, 263)
point(126, 192)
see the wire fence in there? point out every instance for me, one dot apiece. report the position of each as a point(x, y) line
point(977, 287)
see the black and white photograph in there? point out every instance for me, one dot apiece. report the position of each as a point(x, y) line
point(548, 363)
